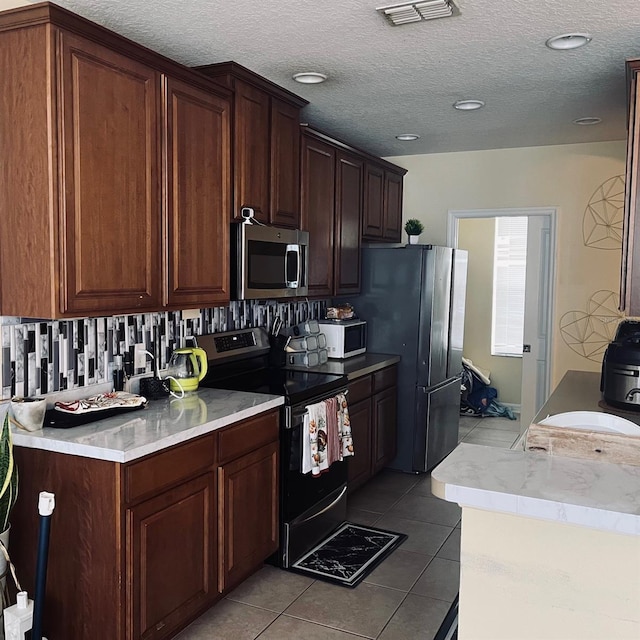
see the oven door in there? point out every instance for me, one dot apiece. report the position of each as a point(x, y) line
point(311, 506)
point(269, 262)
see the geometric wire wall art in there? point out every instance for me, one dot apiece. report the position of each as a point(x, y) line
point(602, 221)
point(588, 333)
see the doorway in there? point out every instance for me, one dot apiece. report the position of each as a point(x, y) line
point(533, 367)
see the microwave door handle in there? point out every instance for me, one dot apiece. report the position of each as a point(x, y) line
point(292, 248)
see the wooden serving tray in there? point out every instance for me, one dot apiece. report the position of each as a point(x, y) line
point(616, 448)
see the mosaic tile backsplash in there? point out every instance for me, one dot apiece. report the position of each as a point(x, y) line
point(46, 356)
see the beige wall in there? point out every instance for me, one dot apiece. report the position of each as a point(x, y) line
point(563, 176)
point(476, 236)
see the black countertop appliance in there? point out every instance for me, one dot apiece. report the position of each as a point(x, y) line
point(620, 380)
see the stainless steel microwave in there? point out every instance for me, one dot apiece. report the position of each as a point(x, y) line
point(268, 262)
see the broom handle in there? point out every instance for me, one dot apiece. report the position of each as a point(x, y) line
point(46, 505)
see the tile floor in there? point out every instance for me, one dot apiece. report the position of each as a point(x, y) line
point(405, 598)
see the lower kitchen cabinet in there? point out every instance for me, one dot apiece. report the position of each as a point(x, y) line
point(373, 401)
point(248, 514)
point(385, 432)
point(139, 550)
point(171, 546)
point(360, 463)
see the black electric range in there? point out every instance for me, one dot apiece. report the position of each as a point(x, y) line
point(243, 361)
point(310, 506)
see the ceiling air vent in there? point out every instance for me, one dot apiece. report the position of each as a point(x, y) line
point(416, 11)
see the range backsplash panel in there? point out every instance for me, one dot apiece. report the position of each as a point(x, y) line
point(40, 357)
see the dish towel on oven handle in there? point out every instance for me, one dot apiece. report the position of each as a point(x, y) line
point(314, 442)
point(344, 427)
point(326, 434)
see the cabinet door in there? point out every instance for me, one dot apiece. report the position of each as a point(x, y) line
point(285, 164)
point(197, 184)
point(318, 193)
point(348, 220)
point(171, 558)
point(373, 226)
point(247, 514)
point(110, 164)
point(392, 206)
point(630, 271)
point(385, 427)
point(359, 465)
point(251, 151)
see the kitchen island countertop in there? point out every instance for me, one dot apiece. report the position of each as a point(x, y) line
point(161, 424)
point(592, 494)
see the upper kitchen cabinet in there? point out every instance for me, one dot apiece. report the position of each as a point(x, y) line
point(383, 202)
point(630, 272)
point(198, 195)
point(332, 179)
point(109, 175)
point(102, 158)
point(266, 145)
point(347, 195)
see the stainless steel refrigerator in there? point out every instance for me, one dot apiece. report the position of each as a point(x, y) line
point(413, 300)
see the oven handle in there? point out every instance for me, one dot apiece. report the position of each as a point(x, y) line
point(329, 506)
point(295, 417)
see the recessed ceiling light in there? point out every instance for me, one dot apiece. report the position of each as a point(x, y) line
point(405, 137)
point(568, 41)
point(309, 77)
point(588, 120)
point(468, 105)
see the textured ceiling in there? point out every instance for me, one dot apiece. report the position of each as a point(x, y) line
point(386, 80)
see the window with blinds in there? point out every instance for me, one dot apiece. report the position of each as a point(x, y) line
point(509, 278)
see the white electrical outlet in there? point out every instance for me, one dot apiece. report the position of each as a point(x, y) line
point(140, 356)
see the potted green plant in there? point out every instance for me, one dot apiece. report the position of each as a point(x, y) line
point(414, 228)
point(8, 475)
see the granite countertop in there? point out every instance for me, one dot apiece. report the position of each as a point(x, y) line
point(354, 367)
point(161, 424)
point(592, 494)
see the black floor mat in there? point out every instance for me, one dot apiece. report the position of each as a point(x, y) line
point(349, 554)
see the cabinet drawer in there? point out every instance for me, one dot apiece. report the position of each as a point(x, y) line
point(359, 389)
point(169, 467)
point(385, 378)
point(249, 435)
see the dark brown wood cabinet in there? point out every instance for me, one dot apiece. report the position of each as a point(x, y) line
point(89, 128)
point(285, 164)
point(318, 217)
point(331, 205)
point(373, 417)
point(266, 145)
point(393, 183)
point(383, 203)
point(248, 514)
point(385, 405)
point(630, 268)
point(172, 557)
point(373, 226)
point(138, 550)
point(110, 179)
point(198, 198)
point(348, 221)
